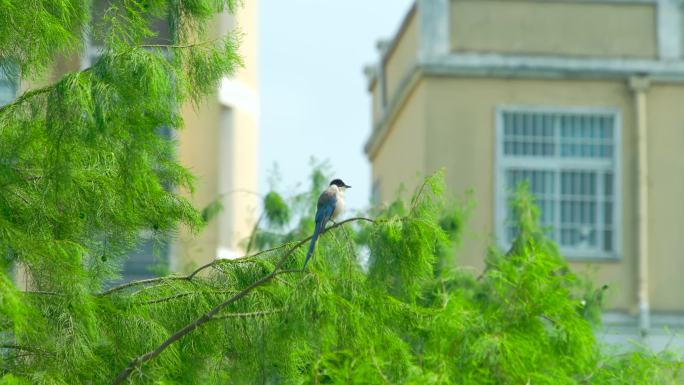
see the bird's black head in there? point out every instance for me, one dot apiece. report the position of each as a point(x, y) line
point(339, 183)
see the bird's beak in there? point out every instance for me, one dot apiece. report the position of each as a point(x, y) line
point(347, 186)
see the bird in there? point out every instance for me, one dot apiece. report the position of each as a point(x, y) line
point(330, 205)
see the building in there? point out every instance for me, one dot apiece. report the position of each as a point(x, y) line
point(218, 145)
point(579, 97)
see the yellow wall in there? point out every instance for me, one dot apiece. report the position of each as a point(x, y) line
point(242, 197)
point(402, 155)
point(402, 57)
point(246, 23)
point(666, 195)
point(554, 27)
point(457, 115)
point(449, 121)
point(376, 108)
point(198, 151)
point(219, 146)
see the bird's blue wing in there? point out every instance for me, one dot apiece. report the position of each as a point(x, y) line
point(326, 207)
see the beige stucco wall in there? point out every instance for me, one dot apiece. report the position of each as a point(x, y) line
point(401, 156)
point(219, 146)
point(376, 107)
point(239, 192)
point(554, 27)
point(457, 116)
point(197, 150)
point(666, 195)
point(402, 56)
point(460, 116)
point(246, 24)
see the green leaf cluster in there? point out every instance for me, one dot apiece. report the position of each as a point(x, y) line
point(84, 171)
point(88, 164)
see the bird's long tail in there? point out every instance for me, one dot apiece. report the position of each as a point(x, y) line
point(312, 245)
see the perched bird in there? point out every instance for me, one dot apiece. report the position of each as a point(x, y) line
point(330, 205)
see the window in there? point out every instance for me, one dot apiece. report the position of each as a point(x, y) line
point(7, 88)
point(569, 158)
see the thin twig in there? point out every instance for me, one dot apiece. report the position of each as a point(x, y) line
point(252, 236)
point(249, 314)
point(31, 93)
point(142, 282)
point(26, 95)
point(181, 295)
point(30, 349)
point(189, 45)
point(50, 293)
point(182, 332)
point(377, 367)
point(414, 201)
point(284, 282)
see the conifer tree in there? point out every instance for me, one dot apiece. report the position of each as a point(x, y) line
point(83, 173)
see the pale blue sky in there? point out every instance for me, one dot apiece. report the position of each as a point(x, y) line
point(313, 92)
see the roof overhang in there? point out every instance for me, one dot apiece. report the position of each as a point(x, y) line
point(520, 66)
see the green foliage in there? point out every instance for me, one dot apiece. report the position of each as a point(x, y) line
point(276, 210)
point(409, 317)
point(212, 210)
point(85, 167)
point(84, 170)
point(34, 32)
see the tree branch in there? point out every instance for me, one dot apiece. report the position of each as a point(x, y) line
point(50, 293)
point(245, 259)
point(30, 349)
point(211, 314)
point(250, 314)
point(141, 282)
point(31, 93)
point(189, 45)
point(26, 95)
point(181, 295)
point(252, 236)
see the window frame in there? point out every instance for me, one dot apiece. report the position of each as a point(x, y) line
point(555, 164)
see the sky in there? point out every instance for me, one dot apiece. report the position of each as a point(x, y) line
point(314, 98)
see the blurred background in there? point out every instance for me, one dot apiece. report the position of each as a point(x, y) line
point(580, 98)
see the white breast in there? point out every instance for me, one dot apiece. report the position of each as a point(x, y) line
point(339, 205)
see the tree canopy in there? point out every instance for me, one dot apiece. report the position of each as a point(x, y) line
point(84, 172)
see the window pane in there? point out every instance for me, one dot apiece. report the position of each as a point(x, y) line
point(586, 136)
point(578, 200)
point(527, 134)
point(541, 185)
point(578, 209)
point(607, 241)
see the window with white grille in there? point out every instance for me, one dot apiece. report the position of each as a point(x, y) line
point(569, 159)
